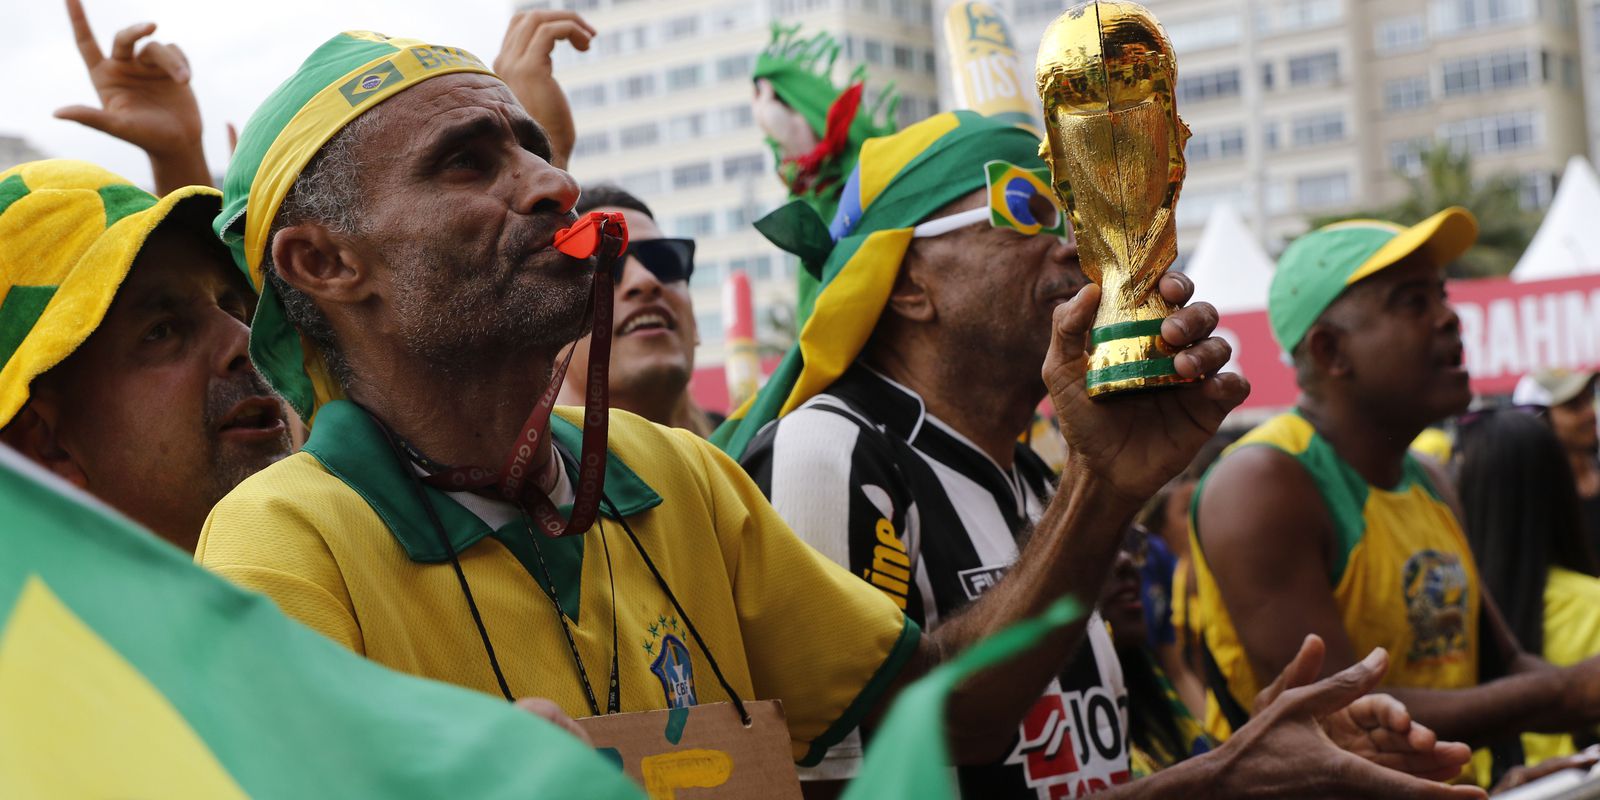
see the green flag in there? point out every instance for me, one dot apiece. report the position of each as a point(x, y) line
point(126, 671)
point(909, 757)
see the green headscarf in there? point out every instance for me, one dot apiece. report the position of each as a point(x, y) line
point(900, 180)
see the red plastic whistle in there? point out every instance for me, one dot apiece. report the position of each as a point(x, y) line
point(582, 240)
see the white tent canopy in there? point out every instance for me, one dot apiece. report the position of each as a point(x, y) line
point(1230, 269)
point(1568, 241)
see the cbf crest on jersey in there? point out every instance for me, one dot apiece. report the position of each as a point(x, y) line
point(673, 664)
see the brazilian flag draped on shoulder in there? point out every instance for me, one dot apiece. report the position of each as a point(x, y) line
point(127, 671)
point(898, 181)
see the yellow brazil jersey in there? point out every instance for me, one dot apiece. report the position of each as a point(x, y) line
point(337, 535)
point(1571, 634)
point(1403, 577)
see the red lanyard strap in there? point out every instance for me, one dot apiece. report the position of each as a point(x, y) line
point(603, 234)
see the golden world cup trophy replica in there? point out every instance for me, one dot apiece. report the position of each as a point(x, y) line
point(1114, 143)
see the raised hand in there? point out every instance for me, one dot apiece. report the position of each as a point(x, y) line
point(1134, 443)
point(524, 64)
point(145, 100)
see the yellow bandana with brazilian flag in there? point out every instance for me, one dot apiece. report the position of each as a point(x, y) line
point(69, 233)
point(346, 77)
point(899, 181)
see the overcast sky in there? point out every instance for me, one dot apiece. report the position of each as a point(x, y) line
point(239, 53)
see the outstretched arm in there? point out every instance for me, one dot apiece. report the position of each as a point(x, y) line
point(1270, 557)
point(1123, 450)
point(1293, 747)
point(145, 100)
point(524, 64)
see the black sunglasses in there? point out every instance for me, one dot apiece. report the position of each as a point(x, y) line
point(667, 259)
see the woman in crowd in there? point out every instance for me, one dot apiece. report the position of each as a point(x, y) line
point(1524, 522)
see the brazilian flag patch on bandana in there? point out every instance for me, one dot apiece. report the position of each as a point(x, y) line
point(1020, 199)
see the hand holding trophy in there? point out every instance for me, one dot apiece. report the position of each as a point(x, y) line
point(1114, 143)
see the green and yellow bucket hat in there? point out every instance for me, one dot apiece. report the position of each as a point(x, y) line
point(1315, 269)
point(898, 181)
point(346, 77)
point(69, 233)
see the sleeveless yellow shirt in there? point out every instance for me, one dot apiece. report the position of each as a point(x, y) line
point(1403, 577)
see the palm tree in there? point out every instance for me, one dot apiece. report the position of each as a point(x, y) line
point(1445, 179)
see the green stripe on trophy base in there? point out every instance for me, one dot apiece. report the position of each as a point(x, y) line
point(1149, 368)
point(1126, 330)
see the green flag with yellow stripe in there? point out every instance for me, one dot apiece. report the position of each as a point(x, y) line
point(126, 671)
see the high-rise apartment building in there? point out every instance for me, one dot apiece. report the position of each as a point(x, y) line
point(662, 107)
point(1298, 107)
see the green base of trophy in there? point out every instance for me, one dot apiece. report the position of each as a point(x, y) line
point(1130, 357)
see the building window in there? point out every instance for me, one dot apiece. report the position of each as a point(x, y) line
point(1323, 127)
point(1400, 34)
point(693, 225)
point(1266, 75)
point(1404, 94)
point(872, 50)
point(709, 323)
point(736, 67)
point(1215, 145)
point(707, 272)
point(1535, 190)
point(1314, 69)
point(735, 117)
point(685, 127)
point(1322, 191)
point(679, 28)
point(591, 95)
point(759, 268)
point(684, 77)
point(643, 182)
point(690, 176)
point(1405, 155)
point(1499, 133)
point(1203, 33)
point(1294, 15)
point(903, 57)
point(1269, 135)
point(634, 87)
point(740, 166)
point(739, 218)
point(591, 144)
point(1208, 86)
point(1450, 17)
point(641, 135)
point(1490, 72)
point(1198, 203)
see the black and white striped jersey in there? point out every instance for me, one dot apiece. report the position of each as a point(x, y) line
point(866, 476)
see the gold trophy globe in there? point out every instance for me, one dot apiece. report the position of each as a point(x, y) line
point(1114, 143)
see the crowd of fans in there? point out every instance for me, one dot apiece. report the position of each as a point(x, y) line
point(282, 376)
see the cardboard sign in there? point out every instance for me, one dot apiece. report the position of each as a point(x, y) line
point(703, 751)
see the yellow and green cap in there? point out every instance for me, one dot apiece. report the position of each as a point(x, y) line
point(69, 233)
point(1316, 268)
point(346, 77)
point(898, 181)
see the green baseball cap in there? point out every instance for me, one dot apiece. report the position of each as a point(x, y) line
point(1317, 267)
